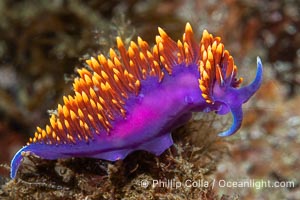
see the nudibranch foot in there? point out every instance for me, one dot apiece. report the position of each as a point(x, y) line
point(157, 145)
point(111, 155)
point(134, 99)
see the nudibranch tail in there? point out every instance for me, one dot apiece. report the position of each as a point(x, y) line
point(136, 97)
point(16, 161)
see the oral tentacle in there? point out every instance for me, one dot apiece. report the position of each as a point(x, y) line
point(237, 115)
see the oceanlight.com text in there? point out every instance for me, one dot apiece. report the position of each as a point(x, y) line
point(253, 183)
point(245, 183)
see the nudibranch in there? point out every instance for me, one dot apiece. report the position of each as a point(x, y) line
point(136, 97)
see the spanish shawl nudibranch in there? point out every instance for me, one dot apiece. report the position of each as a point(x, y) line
point(134, 99)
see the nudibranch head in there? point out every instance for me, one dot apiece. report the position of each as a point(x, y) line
point(218, 81)
point(134, 99)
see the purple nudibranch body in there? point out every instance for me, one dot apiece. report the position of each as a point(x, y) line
point(134, 99)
